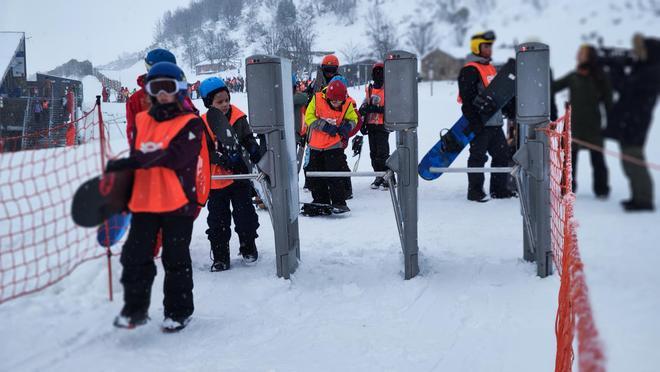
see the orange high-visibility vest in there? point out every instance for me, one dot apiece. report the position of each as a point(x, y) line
point(487, 73)
point(158, 189)
point(379, 94)
point(320, 139)
point(216, 169)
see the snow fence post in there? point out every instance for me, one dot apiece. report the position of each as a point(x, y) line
point(401, 116)
point(270, 103)
point(533, 116)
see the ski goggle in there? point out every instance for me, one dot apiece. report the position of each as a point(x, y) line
point(165, 85)
point(328, 69)
point(488, 36)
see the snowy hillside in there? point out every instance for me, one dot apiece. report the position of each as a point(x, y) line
point(563, 24)
point(476, 306)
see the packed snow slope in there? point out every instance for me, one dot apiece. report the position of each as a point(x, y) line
point(476, 305)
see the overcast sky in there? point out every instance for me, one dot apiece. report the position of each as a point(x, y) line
point(58, 30)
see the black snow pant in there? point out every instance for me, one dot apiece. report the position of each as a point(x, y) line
point(379, 146)
point(246, 221)
point(490, 140)
point(327, 190)
point(600, 183)
point(139, 270)
point(348, 185)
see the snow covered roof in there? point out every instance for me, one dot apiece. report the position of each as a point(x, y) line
point(9, 43)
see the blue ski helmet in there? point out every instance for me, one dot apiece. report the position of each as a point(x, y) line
point(158, 55)
point(169, 70)
point(209, 87)
point(340, 78)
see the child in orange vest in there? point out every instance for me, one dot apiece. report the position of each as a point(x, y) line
point(171, 181)
point(330, 117)
point(223, 192)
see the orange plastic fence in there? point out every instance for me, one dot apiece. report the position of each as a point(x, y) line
point(39, 243)
point(574, 313)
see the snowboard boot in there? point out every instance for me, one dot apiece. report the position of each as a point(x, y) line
point(503, 194)
point(634, 206)
point(385, 185)
point(172, 325)
point(248, 251)
point(340, 209)
point(477, 196)
point(220, 257)
point(377, 182)
point(131, 320)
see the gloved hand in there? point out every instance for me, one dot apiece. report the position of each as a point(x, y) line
point(255, 154)
point(229, 159)
point(344, 129)
point(116, 165)
point(363, 109)
point(363, 129)
point(485, 105)
point(330, 129)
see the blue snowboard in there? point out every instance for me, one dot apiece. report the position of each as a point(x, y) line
point(439, 157)
point(500, 91)
point(117, 226)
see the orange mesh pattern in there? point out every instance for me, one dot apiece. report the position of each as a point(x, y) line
point(574, 313)
point(40, 171)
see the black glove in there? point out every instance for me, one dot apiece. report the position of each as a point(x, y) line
point(363, 109)
point(450, 143)
point(363, 129)
point(116, 165)
point(330, 129)
point(254, 152)
point(344, 129)
point(486, 105)
point(357, 145)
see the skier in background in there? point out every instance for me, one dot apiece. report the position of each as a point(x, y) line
point(239, 193)
point(473, 79)
point(589, 88)
point(140, 101)
point(169, 141)
point(372, 110)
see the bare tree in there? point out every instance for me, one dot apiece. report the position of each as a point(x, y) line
point(382, 33)
point(422, 37)
point(352, 51)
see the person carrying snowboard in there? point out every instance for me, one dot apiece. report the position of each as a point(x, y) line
point(228, 159)
point(373, 109)
point(330, 117)
point(474, 77)
point(171, 180)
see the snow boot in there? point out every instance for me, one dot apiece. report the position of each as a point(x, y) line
point(377, 182)
point(340, 209)
point(477, 196)
point(634, 206)
point(171, 325)
point(503, 194)
point(220, 257)
point(248, 251)
point(131, 321)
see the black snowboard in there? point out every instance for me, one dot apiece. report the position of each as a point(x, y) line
point(98, 199)
point(228, 141)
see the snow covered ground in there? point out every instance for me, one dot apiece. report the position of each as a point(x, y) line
point(476, 306)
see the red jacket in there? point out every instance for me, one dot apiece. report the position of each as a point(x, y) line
point(139, 102)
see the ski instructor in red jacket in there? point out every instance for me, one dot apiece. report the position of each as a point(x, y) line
point(140, 101)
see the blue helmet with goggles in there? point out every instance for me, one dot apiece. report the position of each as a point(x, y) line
point(209, 87)
point(168, 78)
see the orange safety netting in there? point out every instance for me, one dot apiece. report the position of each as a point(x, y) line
point(574, 309)
point(41, 170)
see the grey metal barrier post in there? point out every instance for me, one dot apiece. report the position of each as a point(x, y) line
point(533, 156)
point(401, 116)
point(270, 102)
